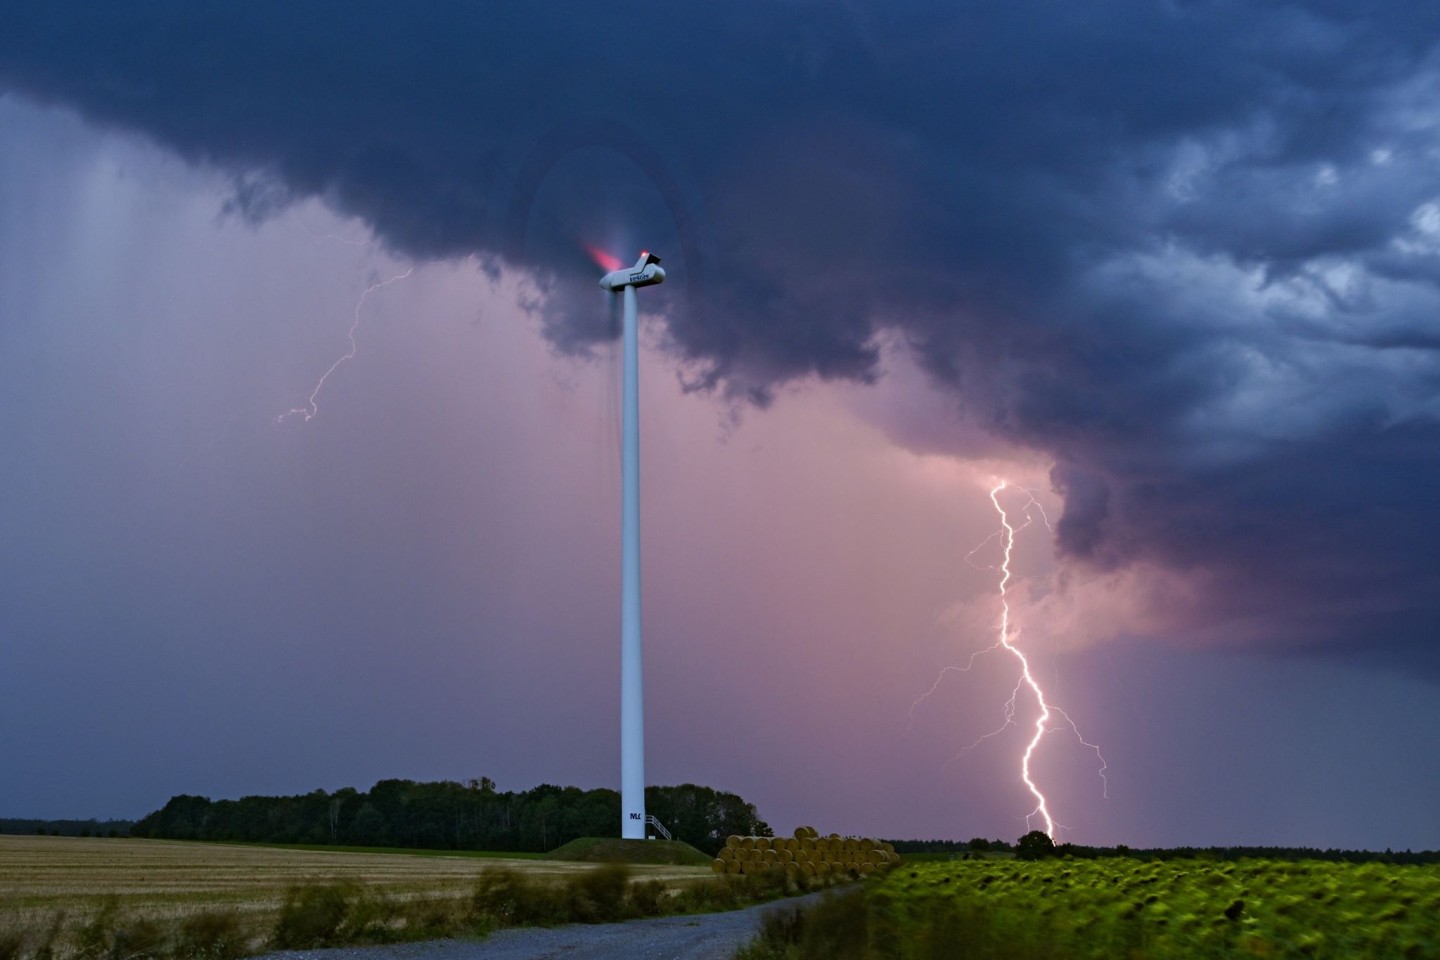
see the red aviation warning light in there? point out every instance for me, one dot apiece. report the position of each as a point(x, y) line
point(646, 273)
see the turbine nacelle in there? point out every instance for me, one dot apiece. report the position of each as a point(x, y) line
point(646, 272)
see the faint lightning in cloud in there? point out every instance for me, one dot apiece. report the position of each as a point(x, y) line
point(311, 408)
point(1048, 712)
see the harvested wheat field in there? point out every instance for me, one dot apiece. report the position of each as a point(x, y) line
point(165, 881)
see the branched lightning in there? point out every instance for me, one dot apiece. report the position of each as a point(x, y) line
point(311, 408)
point(1027, 680)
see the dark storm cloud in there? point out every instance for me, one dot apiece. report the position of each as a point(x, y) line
point(1190, 249)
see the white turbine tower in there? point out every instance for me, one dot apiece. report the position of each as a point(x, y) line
point(646, 272)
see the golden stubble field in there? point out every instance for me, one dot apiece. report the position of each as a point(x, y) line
point(165, 880)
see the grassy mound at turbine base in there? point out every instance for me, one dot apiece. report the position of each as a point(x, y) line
point(614, 850)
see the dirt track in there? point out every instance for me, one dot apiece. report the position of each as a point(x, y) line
point(711, 936)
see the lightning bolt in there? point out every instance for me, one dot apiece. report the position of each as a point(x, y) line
point(311, 408)
point(1027, 680)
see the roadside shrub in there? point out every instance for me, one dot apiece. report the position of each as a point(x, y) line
point(598, 895)
point(310, 916)
point(46, 949)
point(512, 900)
point(213, 935)
point(429, 918)
point(137, 940)
point(93, 939)
point(369, 918)
point(647, 898)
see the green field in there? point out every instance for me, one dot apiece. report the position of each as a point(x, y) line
point(1122, 909)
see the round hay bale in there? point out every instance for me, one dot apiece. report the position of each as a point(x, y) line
point(717, 865)
point(792, 869)
point(808, 843)
point(801, 833)
point(852, 868)
point(835, 836)
point(787, 856)
point(888, 847)
point(868, 843)
point(734, 866)
point(747, 843)
point(762, 843)
point(866, 869)
point(824, 868)
point(803, 856)
point(732, 842)
point(771, 856)
point(807, 868)
point(726, 853)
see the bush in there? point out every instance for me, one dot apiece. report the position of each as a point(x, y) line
point(210, 936)
point(138, 940)
point(311, 916)
point(92, 941)
point(510, 899)
point(598, 895)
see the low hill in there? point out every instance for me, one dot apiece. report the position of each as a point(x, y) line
point(612, 850)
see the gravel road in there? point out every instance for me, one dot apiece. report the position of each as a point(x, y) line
point(709, 936)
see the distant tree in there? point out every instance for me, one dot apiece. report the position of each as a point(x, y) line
point(1035, 845)
point(979, 844)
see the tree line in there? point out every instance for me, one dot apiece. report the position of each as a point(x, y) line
point(66, 828)
point(446, 815)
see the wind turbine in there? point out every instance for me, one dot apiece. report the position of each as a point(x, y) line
point(646, 272)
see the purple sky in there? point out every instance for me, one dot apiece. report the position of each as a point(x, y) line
point(1180, 284)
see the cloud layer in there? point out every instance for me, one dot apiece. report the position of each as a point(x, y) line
point(1188, 250)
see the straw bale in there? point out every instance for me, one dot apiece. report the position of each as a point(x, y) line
point(808, 843)
point(866, 869)
point(747, 843)
point(823, 868)
point(771, 856)
point(808, 869)
point(726, 853)
point(734, 866)
point(802, 832)
point(717, 865)
point(868, 843)
point(732, 841)
point(888, 847)
point(792, 869)
point(763, 843)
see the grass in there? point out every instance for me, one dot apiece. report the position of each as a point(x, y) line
point(64, 897)
point(612, 850)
